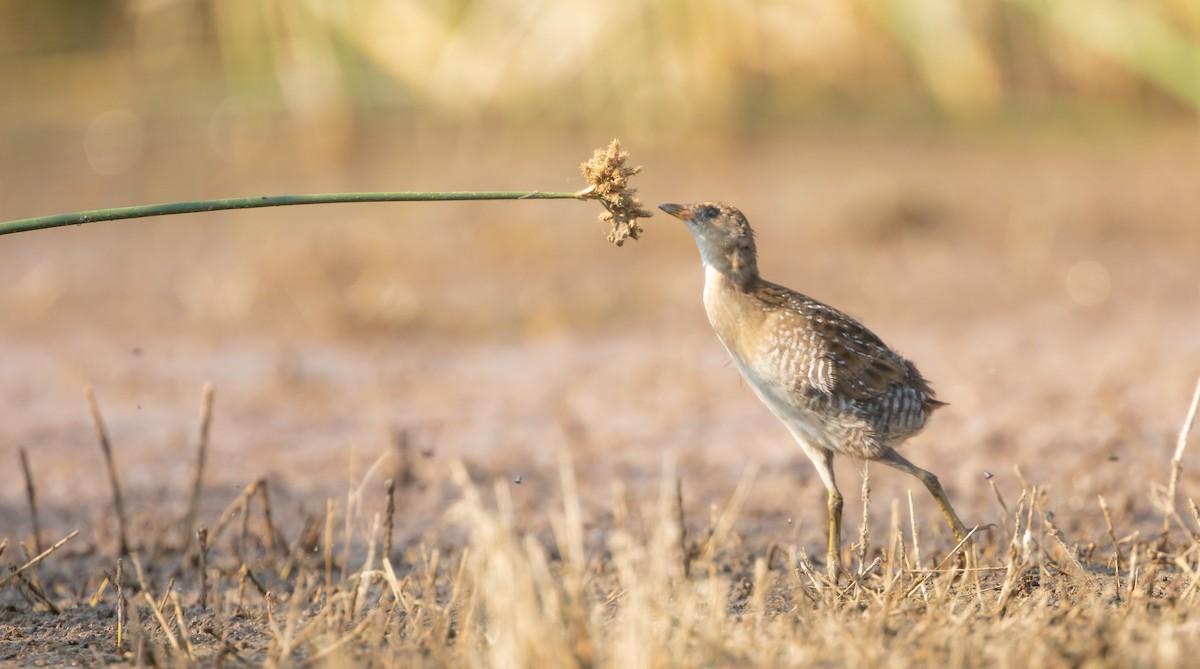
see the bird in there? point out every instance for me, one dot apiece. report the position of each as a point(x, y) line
point(834, 384)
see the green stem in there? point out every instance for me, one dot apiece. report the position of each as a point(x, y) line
point(142, 211)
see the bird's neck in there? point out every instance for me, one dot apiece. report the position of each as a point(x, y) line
point(738, 266)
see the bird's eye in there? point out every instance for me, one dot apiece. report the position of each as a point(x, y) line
point(709, 212)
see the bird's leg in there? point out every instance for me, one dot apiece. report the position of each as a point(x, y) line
point(833, 560)
point(823, 461)
point(894, 459)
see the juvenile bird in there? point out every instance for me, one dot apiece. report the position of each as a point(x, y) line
point(835, 385)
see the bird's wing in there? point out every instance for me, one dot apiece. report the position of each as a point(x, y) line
point(847, 360)
point(857, 364)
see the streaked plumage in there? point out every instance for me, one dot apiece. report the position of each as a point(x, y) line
point(835, 385)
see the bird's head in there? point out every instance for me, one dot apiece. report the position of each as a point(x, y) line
point(723, 236)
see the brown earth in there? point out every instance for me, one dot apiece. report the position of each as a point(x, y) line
point(1049, 289)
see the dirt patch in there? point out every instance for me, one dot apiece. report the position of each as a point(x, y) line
point(1049, 293)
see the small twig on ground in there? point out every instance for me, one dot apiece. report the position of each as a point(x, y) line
point(182, 625)
point(916, 536)
point(36, 560)
point(724, 524)
point(262, 590)
point(328, 549)
point(31, 494)
point(991, 479)
point(37, 592)
point(206, 404)
point(271, 530)
point(242, 571)
point(1112, 535)
point(120, 605)
point(1057, 534)
point(684, 553)
point(241, 503)
point(162, 602)
point(404, 473)
point(202, 540)
point(389, 487)
point(106, 447)
point(927, 573)
point(864, 532)
point(1015, 559)
point(162, 621)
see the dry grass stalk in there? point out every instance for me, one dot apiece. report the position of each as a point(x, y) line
point(120, 647)
point(243, 570)
point(991, 479)
point(240, 504)
point(897, 558)
point(15, 574)
point(1058, 536)
point(927, 574)
point(38, 594)
point(686, 553)
point(389, 487)
point(182, 625)
point(202, 540)
point(404, 471)
point(162, 622)
point(262, 589)
point(106, 448)
point(271, 531)
point(916, 535)
point(100, 590)
point(864, 531)
point(724, 524)
point(206, 404)
point(1177, 463)
point(166, 595)
point(142, 643)
point(366, 574)
point(31, 495)
point(608, 176)
point(328, 549)
point(1112, 535)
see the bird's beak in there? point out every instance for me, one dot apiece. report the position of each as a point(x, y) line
point(681, 211)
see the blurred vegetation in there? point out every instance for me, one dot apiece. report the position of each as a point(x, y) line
point(667, 65)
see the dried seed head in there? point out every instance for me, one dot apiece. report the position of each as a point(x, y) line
point(608, 177)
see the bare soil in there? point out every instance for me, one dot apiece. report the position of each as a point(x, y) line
point(1050, 290)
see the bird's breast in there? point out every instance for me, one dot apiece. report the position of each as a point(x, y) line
point(766, 352)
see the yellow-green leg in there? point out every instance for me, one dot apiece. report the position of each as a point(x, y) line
point(833, 560)
point(823, 461)
point(894, 459)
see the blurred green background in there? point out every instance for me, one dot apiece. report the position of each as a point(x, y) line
point(251, 66)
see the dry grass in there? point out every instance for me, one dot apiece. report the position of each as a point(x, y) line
point(651, 587)
point(1084, 398)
